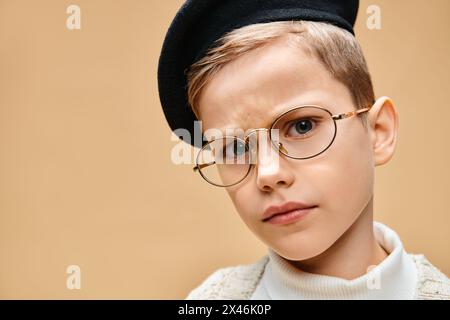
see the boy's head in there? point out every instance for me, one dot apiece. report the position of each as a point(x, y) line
point(264, 58)
point(259, 71)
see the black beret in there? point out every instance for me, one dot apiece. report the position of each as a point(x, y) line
point(199, 23)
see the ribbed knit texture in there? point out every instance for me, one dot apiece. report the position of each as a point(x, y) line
point(394, 278)
point(240, 282)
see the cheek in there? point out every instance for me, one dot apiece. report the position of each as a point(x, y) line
point(242, 197)
point(346, 176)
point(345, 181)
point(350, 169)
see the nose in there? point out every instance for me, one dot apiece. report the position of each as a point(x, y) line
point(270, 171)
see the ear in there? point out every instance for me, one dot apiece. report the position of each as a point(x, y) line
point(383, 124)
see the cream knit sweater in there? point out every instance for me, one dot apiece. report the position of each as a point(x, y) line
point(399, 269)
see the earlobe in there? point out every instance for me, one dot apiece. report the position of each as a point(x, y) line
point(383, 122)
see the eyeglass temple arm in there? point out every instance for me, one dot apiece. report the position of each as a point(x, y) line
point(349, 114)
point(204, 165)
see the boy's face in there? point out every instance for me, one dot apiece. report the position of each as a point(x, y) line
point(248, 93)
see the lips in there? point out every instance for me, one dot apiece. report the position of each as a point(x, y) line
point(287, 207)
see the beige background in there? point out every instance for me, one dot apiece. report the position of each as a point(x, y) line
point(85, 170)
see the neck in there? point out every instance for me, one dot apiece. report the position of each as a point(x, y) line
point(352, 254)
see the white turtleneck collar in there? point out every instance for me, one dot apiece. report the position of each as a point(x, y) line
point(394, 278)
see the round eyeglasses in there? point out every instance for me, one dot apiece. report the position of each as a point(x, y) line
point(302, 132)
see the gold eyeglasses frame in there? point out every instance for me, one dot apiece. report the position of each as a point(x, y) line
point(278, 147)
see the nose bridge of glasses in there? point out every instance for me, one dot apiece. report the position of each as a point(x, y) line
point(273, 141)
point(252, 131)
point(258, 149)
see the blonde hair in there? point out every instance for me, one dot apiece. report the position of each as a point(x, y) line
point(335, 47)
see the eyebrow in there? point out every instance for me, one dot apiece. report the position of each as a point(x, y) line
point(272, 115)
point(266, 124)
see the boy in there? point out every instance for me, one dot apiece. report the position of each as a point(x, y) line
point(290, 77)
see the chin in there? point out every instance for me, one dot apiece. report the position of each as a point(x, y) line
point(301, 250)
point(299, 255)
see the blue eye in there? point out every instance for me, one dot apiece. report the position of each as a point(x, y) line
point(301, 127)
point(236, 148)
